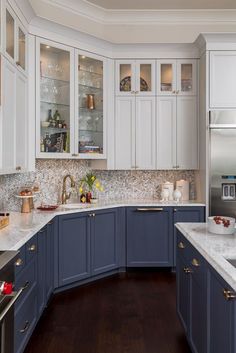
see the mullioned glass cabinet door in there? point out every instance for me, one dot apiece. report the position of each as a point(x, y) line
point(90, 123)
point(55, 92)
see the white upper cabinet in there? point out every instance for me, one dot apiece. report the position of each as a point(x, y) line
point(166, 133)
point(54, 100)
point(13, 124)
point(90, 124)
point(15, 40)
point(176, 77)
point(145, 133)
point(223, 79)
point(125, 133)
point(177, 133)
point(187, 133)
point(135, 77)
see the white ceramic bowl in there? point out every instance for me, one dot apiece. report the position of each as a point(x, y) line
point(213, 227)
point(45, 123)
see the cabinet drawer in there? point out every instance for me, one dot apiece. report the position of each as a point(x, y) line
point(27, 279)
point(20, 261)
point(31, 249)
point(25, 321)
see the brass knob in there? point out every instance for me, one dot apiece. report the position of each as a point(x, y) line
point(195, 262)
point(229, 295)
point(187, 270)
point(175, 210)
point(173, 92)
point(94, 214)
point(19, 262)
point(18, 63)
point(50, 222)
point(32, 247)
point(18, 167)
point(181, 245)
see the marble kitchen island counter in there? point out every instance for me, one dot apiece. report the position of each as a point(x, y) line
point(23, 226)
point(215, 248)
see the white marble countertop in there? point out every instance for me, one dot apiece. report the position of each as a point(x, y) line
point(214, 248)
point(23, 226)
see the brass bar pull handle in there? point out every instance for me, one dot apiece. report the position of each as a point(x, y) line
point(27, 325)
point(26, 285)
point(32, 247)
point(228, 294)
point(187, 270)
point(157, 209)
point(181, 245)
point(195, 262)
point(50, 222)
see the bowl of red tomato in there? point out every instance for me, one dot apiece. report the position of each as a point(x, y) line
point(221, 225)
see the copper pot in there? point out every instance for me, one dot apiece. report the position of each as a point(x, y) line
point(90, 101)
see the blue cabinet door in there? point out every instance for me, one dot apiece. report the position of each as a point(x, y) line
point(222, 314)
point(186, 214)
point(49, 285)
point(104, 241)
point(149, 237)
point(183, 273)
point(41, 293)
point(74, 248)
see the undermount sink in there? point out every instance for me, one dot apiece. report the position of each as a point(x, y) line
point(75, 206)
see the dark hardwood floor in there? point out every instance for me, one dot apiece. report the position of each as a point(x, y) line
point(128, 313)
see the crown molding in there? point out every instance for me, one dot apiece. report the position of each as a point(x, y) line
point(113, 17)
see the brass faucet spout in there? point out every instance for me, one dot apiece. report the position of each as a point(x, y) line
point(65, 196)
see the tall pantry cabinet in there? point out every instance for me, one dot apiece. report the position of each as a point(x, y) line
point(135, 111)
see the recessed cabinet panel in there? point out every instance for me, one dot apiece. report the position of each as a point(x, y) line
point(166, 133)
point(187, 133)
point(223, 79)
point(10, 34)
point(125, 133)
point(145, 132)
point(90, 119)
point(55, 100)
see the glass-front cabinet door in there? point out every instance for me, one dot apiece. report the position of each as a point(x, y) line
point(145, 78)
point(166, 77)
point(10, 33)
point(89, 134)
point(55, 100)
point(21, 48)
point(186, 77)
point(125, 77)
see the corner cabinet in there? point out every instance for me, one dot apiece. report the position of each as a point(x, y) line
point(70, 102)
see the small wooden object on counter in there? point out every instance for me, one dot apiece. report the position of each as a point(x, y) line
point(4, 220)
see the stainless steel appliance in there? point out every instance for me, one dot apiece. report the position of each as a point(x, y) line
point(223, 163)
point(7, 301)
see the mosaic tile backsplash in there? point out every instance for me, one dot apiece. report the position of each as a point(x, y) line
point(117, 184)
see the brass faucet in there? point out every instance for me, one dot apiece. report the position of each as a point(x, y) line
point(65, 196)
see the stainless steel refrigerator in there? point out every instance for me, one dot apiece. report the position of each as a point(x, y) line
point(223, 163)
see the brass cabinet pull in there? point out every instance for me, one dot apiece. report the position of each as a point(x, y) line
point(181, 245)
point(18, 63)
point(27, 325)
point(187, 270)
point(136, 92)
point(74, 154)
point(228, 294)
point(175, 210)
point(195, 262)
point(18, 167)
point(50, 222)
point(173, 92)
point(177, 92)
point(32, 247)
point(92, 215)
point(19, 262)
point(157, 209)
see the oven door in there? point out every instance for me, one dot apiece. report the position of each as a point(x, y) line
point(7, 321)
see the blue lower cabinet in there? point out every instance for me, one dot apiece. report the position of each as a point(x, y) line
point(73, 248)
point(149, 237)
point(186, 214)
point(41, 293)
point(25, 321)
point(222, 315)
point(104, 241)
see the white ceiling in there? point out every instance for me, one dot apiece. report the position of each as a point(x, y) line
point(164, 4)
